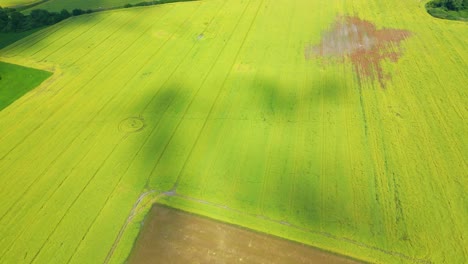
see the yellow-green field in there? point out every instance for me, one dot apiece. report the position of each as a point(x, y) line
point(216, 107)
point(9, 3)
point(58, 5)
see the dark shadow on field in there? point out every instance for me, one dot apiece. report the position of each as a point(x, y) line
point(161, 120)
point(10, 38)
point(292, 196)
point(266, 105)
point(285, 102)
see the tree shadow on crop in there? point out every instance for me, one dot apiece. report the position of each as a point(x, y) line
point(162, 119)
point(278, 174)
point(297, 166)
point(288, 101)
point(262, 150)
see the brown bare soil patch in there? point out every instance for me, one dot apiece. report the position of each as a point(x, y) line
point(173, 236)
point(361, 42)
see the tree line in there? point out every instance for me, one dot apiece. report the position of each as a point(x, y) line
point(448, 9)
point(454, 5)
point(12, 20)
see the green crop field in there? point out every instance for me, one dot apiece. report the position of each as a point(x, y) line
point(339, 124)
point(58, 5)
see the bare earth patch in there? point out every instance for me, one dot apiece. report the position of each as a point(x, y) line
point(173, 236)
point(361, 42)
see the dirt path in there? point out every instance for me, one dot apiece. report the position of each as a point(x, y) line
point(158, 195)
point(124, 227)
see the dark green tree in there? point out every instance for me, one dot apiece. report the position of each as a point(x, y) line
point(4, 18)
point(39, 17)
point(455, 4)
point(65, 14)
point(17, 21)
point(77, 12)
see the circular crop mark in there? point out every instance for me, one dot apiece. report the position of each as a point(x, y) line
point(132, 124)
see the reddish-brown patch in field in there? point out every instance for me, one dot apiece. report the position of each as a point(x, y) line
point(363, 44)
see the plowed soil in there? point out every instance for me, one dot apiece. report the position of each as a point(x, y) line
point(173, 236)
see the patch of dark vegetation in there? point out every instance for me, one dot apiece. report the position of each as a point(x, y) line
point(448, 9)
point(10, 38)
point(12, 20)
point(15, 81)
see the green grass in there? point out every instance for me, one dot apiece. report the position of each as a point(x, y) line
point(242, 127)
point(15, 81)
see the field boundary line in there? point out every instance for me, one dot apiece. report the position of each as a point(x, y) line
point(133, 213)
point(302, 229)
point(171, 193)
